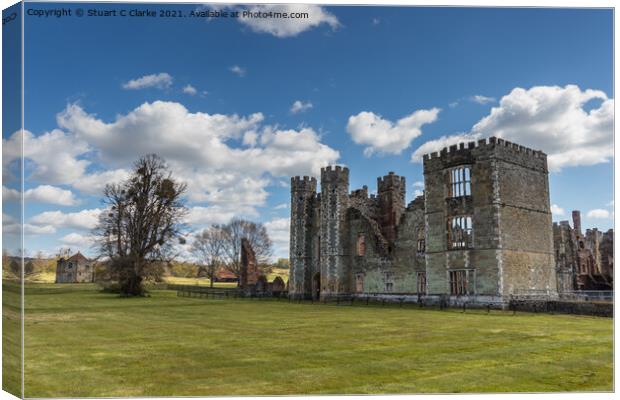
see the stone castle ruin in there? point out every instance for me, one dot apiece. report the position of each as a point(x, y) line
point(583, 262)
point(481, 232)
point(75, 269)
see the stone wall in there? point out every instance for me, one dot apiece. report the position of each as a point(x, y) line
point(303, 194)
point(525, 225)
point(408, 262)
point(335, 275)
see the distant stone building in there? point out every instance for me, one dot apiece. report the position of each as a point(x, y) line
point(482, 231)
point(75, 269)
point(583, 262)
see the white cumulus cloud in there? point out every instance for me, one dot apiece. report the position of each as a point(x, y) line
point(288, 27)
point(237, 70)
point(42, 194)
point(78, 240)
point(189, 89)
point(557, 210)
point(598, 213)
point(300, 106)
point(573, 126)
point(384, 136)
point(228, 161)
point(480, 99)
point(208, 151)
point(84, 219)
point(162, 80)
point(95, 182)
point(279, 233)
point(53, 153)
point(14, 228)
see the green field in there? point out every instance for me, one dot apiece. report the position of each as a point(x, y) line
point(11, 337)
point(81, 342)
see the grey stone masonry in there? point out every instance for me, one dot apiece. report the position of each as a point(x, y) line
point(482, 230)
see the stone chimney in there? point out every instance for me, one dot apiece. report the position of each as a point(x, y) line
point(577, 221)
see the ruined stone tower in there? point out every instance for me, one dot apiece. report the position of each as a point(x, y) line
point(488, 220)
point(334, 274)
point(391, 197)
point(303, 195)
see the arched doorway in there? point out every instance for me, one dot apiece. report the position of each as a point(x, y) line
point(316, 286)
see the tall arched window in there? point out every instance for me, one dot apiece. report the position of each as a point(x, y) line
point(460, 181)
point(460, 232)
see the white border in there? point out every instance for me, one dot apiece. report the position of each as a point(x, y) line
point(471, 3)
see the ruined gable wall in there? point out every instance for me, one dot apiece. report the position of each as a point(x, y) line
point(249, 267)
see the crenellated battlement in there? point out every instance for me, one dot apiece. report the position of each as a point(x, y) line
point(305, 183)
point(490, 143)
point(335, 174)
point(464, 153)
point(391, 181)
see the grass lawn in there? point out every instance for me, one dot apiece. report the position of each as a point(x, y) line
point(282, 273)
point(198, 282)
point(11, 337)
point(80, 342)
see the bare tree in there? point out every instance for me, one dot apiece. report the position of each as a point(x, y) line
point(63, 252)
point(255, 233)
point(208, 247)
point(143, 217)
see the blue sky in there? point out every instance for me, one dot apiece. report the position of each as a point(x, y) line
point(374, 86)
